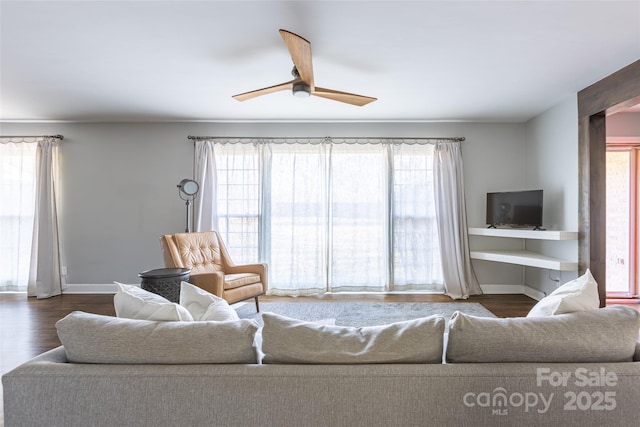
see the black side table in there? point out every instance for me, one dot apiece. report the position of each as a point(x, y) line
point(165, 281)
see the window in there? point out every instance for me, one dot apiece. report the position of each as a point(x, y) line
point(331, 217)
point(238, 175)
point(416, 248)
point(296, 218)
point(359, 218)
point(17, 206)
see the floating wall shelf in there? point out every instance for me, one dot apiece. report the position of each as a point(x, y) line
point(525, 257)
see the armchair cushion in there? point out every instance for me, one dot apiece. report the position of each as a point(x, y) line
point(232, 281)
point(199, 251)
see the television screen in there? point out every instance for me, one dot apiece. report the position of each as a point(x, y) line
point(515, 209)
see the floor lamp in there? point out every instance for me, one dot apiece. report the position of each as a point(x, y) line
point(187, 190)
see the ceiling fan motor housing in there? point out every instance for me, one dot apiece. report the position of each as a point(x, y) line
point(301, 89)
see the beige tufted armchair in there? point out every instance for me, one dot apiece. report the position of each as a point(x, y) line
point(211, 267)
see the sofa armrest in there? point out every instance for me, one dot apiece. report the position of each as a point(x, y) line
point(636, 355)
point(211, 282)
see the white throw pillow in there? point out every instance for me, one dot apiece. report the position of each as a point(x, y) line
point(133, 302)
point(580, 294)
point(204, 305)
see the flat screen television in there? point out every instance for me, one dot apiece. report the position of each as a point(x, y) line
point(518, 209)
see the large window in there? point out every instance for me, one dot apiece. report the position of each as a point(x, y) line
point(17, 206)
point(331, 217)
point(297, 215)
point(238, 174)
point(416, 249)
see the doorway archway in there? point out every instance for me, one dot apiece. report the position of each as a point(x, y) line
point(616, 92)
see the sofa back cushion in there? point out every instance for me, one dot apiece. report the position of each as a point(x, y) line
point(286, 340)
point(602, 335)
point(93, 338)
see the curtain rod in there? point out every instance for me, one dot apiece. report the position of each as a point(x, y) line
point(328, 138)
point(33, 136)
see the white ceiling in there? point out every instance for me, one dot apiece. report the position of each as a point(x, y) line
point(423, 60)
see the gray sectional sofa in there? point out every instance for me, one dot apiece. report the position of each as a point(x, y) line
point(578, 369)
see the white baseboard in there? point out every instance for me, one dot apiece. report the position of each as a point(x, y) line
point(533, 293)
point(513, 289)
point(502, 289)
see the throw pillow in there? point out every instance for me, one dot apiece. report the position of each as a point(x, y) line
point(286, 340)
point(204, 305)
point(93, 338)
point(603, 335)
point(577, 295)
point(136, 303)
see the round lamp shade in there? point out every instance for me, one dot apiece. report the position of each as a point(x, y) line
point(189, 187)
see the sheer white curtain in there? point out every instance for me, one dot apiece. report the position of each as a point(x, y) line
point(416, 248)
point(204, 205)
point(17, 207)
point(359, 218)
point(38, 176)
point(330, 216)
point(297, 218)
point(459, 278)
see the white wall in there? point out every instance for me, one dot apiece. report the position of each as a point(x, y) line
point(118, 182)
point(551, 154)
point(545, 155)
point(623, 125)
point(494, 163)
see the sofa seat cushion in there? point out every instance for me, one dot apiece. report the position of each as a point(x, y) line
point(577, 295)
point(232, 281)
point(93, 338)
point(286, 340)
point(603, 335)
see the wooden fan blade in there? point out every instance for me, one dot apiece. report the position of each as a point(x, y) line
point(264, 91)
point(300, 51)
point(349, 98)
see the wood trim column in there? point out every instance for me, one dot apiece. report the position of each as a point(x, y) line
point(592, 214)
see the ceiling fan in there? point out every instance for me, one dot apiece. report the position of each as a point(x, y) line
point(302, 84)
